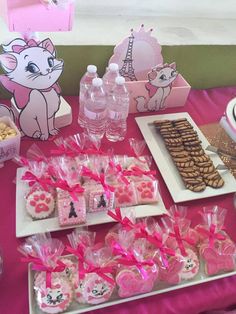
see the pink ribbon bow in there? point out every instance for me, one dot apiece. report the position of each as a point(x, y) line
point(180, 239)
point(211, 234)
point(62, 150)
point(126, 222)
point(129, 259)
point(78, 252)
point(73, 191)
point(98, 178)
point(29, 176)
point(18, 49)
point(100, 271)
point(119, 171)
point(138, 172)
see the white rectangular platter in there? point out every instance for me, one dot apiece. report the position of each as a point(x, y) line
point(159, 288)
point(25, 226)
point(167, 167)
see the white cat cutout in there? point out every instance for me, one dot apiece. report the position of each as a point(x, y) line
point(159, 86)
point(32, 72)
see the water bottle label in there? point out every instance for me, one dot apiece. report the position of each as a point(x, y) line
point(94, 115)
point(114, 115)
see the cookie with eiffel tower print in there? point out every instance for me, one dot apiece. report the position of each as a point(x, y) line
point(99, 200)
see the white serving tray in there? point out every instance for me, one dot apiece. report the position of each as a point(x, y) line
point(159, 288)
point(25, 226)
point(167, 167)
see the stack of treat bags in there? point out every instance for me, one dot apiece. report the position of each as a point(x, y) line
point(137, 256)
point(77, 181)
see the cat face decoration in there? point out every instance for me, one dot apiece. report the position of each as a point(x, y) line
point(31, 74)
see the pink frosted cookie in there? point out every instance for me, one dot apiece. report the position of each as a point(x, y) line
point(40, 204)
point(55, 299)
point(172, 273)
point(146, 191)
point(221, 259)
point(97, 290)
point(125, 195)
point(130, 282)
point(70, 212)
point(191, 265)
point(98, 201)
point(71, 268)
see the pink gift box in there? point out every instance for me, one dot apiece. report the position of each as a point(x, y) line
point(176, 98)
point(33, 16)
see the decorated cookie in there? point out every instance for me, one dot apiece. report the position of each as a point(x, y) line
point(55, 299)
point(125, 195)
point(111, 237)
point(191, 265)
point(40, 204)
point(146, 191)
point(99, 201)
point(70, 211)
point(96, 289)
point(78, 288)
point(130, 282)
point(71, 268)
point(172, 273)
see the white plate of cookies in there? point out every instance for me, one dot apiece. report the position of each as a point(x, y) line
point(179, 150)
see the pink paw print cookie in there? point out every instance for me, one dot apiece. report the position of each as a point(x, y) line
point(146, 192)
point(40, 204)
point(70, 212)
point(98, 201)
point(96, 290)
point(125, 195)
point(191, 265)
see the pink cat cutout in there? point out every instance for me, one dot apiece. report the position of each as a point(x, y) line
point(159, 87)
point(130, 282)
point(219, 261)
point(32, 72)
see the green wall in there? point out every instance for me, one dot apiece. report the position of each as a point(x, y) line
point(202, 66)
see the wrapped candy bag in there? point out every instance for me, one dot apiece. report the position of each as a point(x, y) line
point(62, 148)
point(97, 277)
point(169, 263)
point(100, 194)
point(216, 248)
point(40, 198)
point(71, 203)
point(79, 240)
point(53, 291)
point(136, 272)
point(179, 240)
point(126, 221)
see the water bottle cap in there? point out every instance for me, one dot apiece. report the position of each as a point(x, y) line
point(97, 82)
point(120, 80)
point(92, 68)
point(113, 67)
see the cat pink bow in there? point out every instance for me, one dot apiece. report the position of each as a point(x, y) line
point(18, 49)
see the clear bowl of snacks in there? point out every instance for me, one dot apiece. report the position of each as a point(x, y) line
point(9, 139)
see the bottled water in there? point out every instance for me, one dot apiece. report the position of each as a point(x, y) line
point(95, 109)
point(109, 78)
point(85, 85)
point(118, 110)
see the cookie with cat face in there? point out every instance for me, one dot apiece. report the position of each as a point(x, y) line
point(190, 265)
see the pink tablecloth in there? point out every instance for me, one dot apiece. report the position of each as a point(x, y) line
point(205, 107)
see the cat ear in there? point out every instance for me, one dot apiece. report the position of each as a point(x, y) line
point(173, 65)
point(48, 45)
point(8, 62)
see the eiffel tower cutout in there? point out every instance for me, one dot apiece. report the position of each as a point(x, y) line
point(127, 69)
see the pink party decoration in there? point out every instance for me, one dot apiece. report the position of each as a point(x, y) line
point(31, 76)
point(137, 54)
point(37, 16)
point(153, 85)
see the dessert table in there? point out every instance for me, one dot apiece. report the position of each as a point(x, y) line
point(204, 106)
